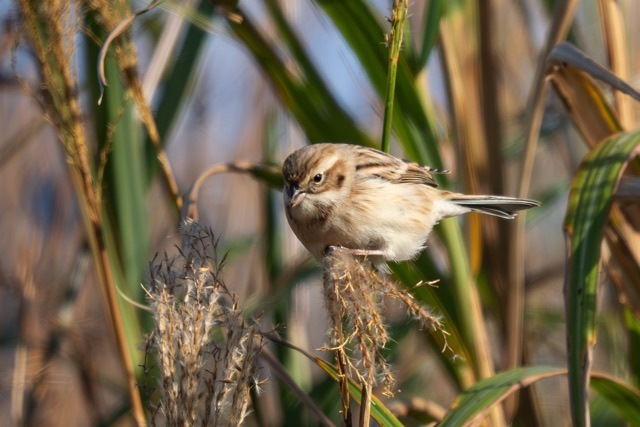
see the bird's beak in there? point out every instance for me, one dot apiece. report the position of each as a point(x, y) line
point(295, 195)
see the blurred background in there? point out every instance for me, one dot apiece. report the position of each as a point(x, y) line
point(251, 83)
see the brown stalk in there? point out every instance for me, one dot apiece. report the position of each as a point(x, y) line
point(496, 232)
point(343, 383)
point(50, 30)
point(108, 287)
point(613, 33)
point(338, 341)
point(127, 62)
point(284, 376)
point(458, 111)
point(365, 403)
point(465, 125)
point(20, 376)
point(562, 18)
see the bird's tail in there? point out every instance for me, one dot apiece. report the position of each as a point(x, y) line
point(500, 206)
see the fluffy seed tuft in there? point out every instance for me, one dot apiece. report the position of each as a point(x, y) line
point(205, 349)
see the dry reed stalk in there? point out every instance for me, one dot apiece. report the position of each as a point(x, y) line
point(116, 18)
point(51, 28)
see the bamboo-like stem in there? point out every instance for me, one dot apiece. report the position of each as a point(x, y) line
point(394, 38)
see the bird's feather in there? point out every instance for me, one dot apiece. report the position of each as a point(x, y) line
point(371, 163)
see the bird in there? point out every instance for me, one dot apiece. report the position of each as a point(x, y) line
point(371, 203)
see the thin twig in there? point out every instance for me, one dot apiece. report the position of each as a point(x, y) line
point(562, 18)
point(128, 69)
point(119, 29)
point(284, 376)
point(190, 207)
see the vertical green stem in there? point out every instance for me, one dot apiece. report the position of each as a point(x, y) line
point(394, 40)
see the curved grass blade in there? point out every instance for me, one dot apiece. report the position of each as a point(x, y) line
point(430, 32)
point(379, 412)
point(475, 402)
point(589, 203)
point(590, 111)
point(624, 398)
point(179, 78)
point(320, 122)
point(363, 32)
point(566, 53)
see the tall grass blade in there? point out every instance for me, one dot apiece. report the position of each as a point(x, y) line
point(430, 32)
point(587, 214)
point(314, 108)
point(177, 85)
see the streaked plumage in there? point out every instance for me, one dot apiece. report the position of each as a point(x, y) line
point(360, 198)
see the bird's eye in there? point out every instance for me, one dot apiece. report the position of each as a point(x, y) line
point(317, 178)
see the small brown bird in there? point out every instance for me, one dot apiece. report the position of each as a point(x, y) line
point(372, 203)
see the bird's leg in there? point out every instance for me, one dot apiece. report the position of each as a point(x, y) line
point(358, 252)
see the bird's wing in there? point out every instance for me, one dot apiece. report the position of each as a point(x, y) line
point(374, 163)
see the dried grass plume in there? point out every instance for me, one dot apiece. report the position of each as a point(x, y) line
point(206, 350)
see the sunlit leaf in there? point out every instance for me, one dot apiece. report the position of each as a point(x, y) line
point(587, 214)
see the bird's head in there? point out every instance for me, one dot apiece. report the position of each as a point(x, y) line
point(315, 177)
